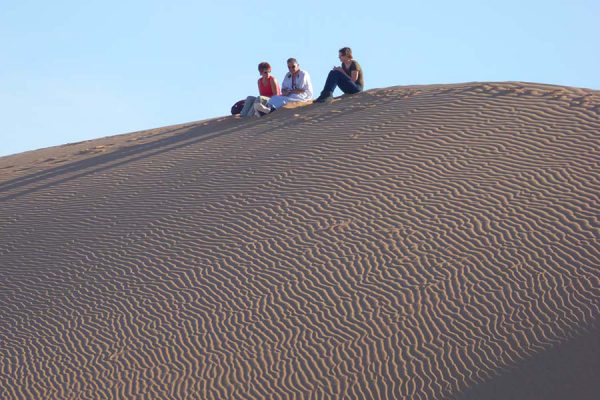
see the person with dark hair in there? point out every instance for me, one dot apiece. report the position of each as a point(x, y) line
point(296, 86)
point(267, 88)
point(267, 84)
point(348, 77)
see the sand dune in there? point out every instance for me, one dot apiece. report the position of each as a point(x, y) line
point(426, 242)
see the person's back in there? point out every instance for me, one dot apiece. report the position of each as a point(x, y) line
point(355, 66)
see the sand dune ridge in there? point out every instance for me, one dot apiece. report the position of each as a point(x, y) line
point(407, 242)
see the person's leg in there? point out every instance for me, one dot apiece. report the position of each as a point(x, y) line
point(331, 83)
point(277, 101)
point(339, 79)
point(347, 86)
point(261, 108)
point(247, 106)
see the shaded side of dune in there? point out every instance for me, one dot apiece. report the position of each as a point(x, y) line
point(570, 370)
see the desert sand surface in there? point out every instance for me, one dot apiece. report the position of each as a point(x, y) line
point(421, 242)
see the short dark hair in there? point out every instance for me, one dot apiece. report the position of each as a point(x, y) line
point(346, 51)
point(264, 65)
point(292, 60)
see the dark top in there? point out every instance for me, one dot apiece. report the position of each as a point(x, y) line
point(355, 66)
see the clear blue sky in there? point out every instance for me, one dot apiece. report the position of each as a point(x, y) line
point(78, 70)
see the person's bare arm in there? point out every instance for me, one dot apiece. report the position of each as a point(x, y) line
point(275, 87)
point(353, 75)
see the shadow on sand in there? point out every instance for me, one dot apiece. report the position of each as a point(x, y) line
point(31, 183)
point(570, 370)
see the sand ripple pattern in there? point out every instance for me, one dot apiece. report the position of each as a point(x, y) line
point(404, 243)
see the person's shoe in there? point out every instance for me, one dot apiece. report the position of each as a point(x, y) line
point(262, 109)
point(266, 110)
point(323, 99)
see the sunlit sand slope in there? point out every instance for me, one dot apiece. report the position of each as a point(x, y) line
point(404, 243)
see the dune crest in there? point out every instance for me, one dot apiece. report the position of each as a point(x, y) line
point(409, 243)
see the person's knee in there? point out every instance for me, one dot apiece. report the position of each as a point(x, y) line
point(334, 73)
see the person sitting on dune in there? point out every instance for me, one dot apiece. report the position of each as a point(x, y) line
point(267, 84)
point(267, 88)
point(348, 77)
point(296, 86)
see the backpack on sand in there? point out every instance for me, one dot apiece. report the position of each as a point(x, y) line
point(237, 107)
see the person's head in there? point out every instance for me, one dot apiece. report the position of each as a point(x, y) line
point(292, 65)
point(264, 68)
point(345, 54)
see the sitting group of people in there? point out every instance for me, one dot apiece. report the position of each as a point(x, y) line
point(297, 86)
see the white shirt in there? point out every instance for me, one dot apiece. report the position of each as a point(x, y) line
point(300, 81)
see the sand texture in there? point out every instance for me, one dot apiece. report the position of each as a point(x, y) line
point(423, 242)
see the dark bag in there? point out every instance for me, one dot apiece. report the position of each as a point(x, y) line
point(237, 107)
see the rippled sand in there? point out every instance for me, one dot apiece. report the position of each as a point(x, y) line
point(429, 242)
